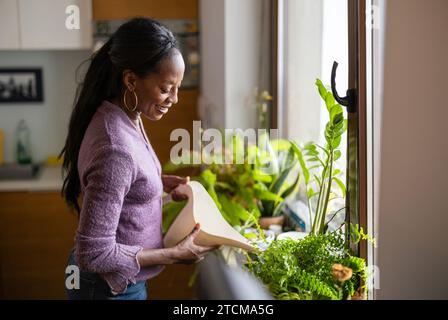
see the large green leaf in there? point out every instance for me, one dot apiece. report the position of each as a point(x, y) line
point(208, 179)
point(276, 187)
point(298, 152)
point(265, 194)
point(278, 208)
point(279, 183)
point(337, 155)
point(250, 203)
point(260, 176)
point(288, 159)
point(322, 90)
point(334, 111)
point(291, 189)
point(341, 185)
point(310, 193)
point(311, 149)
point(267, 157)
point(329, 101)
point(233, 212)
point(336, 142)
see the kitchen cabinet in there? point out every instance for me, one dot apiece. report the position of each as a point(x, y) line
point(156, 9)
point(36, 234)
point(185, 112)
point(45, 24)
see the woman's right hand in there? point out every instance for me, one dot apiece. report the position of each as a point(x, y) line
point(188, 252)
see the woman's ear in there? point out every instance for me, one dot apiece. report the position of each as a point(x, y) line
point(129, 79)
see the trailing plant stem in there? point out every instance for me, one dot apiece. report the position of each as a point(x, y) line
point(324, 195)
point(327, 195)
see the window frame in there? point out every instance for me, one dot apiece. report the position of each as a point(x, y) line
point(357, 201)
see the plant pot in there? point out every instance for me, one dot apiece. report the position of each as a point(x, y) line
point(359, 295)
point(293, 235)
point(258, 242)
point(265, 222)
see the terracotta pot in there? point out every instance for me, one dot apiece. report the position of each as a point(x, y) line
point(265, 222)
point(359, 295)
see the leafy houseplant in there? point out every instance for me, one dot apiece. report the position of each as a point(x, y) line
point(318, 164)
point(241, 191)
point(317, 267)
point(320, 266)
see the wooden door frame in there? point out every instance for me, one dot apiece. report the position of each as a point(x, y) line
point(357, 125)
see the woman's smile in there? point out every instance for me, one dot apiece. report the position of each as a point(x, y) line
point(162, 109)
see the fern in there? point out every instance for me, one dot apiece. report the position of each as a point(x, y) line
point(303, 269)
point(315, 286)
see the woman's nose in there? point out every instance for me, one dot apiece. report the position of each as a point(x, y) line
point(173, 97)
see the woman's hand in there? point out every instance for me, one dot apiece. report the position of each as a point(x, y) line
point(187, 252)
point(170, 183)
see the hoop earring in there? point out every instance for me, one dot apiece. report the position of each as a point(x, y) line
point(125, 103)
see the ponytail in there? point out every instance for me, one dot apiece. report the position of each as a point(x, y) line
point(100, 83)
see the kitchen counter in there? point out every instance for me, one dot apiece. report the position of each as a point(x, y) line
point(49, 179)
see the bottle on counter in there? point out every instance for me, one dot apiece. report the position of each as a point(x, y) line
point(23, 143)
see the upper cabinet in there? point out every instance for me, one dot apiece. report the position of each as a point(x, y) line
point(157, 9)
point(9, 24)
point(45, 24)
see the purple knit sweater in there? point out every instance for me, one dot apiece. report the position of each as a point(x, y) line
point(121, 210)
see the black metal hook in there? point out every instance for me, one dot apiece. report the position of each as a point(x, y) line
point(348, 101)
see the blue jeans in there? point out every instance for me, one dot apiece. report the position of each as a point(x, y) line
point(93, 287)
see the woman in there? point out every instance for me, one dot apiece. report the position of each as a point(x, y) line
point(110, 162)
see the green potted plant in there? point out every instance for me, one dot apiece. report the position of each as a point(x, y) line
point(320, 266)
point(318, 164)
point(317, 267)
point(257, 187)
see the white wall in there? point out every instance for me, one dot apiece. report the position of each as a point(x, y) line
point(315, 36)
point(303, 64)
point(231, 49)
point(213, 76)
point(413, 211)
point(48, 121)
point(243, 52)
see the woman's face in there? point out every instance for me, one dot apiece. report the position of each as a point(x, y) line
point(157, 92)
